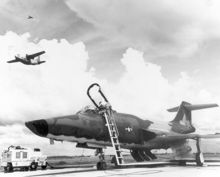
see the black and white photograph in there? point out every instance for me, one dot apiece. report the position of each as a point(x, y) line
point(106, 88)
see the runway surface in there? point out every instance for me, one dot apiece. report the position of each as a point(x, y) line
point(211, 170)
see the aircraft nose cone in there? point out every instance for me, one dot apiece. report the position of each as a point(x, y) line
point(39, 127)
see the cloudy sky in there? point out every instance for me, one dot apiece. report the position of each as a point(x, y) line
point(148, 55)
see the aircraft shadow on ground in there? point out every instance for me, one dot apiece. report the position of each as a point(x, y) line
point(62, 173)
point(109, 172)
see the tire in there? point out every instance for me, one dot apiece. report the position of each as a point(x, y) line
point(101, 166)
point(5, 169)
point(43, 167)
point(8, 168)
point(26, 168)
point(33, 166)
point(114, 160)
point(182, 163)
point(98, 166)
point(199, 159)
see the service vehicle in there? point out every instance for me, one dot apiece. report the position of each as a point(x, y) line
point(22, 157)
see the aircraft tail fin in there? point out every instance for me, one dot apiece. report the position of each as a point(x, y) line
point(17, 59)
point(182, 123)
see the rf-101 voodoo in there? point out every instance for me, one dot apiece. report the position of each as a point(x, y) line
point(102, 126)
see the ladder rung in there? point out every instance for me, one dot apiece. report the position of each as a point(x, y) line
point(120, 157)
point(112, 125)
point(113, 132)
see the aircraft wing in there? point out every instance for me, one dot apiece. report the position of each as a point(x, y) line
point(176, 137)
point(172, 137)
point(29, 57)
point(12, 61)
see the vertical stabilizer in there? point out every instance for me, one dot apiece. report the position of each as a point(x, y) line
point(182, 123)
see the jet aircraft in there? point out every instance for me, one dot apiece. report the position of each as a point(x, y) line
point(88, 129)
point(29, 59)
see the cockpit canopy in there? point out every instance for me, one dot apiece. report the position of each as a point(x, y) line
point(88, 110)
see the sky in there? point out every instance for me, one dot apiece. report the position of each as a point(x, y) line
point(147, 55)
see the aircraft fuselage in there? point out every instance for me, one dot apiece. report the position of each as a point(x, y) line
point(90, 127)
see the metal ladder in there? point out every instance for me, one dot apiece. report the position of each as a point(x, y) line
point(107, 113)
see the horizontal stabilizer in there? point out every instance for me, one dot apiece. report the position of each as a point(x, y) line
point(193, 107)
point(182, 123)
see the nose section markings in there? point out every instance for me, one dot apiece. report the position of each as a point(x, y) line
point(39, 127)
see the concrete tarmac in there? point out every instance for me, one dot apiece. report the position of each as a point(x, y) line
point(210, 170)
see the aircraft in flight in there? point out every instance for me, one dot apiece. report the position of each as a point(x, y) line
point(29, 59)
point(102, 126)
point(30, 17)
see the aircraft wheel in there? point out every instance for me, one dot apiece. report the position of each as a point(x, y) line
point(199, 159)
point(33, 166)
point(101, 166)
point(113, 160)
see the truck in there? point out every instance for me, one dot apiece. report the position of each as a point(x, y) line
point(23, 158)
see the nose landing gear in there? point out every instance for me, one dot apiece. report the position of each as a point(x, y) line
point(101, 165)
point(105, 110)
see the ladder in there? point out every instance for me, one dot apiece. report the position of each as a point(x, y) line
point(107, 113)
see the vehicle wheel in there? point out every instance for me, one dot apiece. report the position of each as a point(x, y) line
point(101, 166)
point(182, 163)
point(5, 169)
point(199, 159)
point(43, 167)
point(33, 166)
point(26, 168)
point(8, 168)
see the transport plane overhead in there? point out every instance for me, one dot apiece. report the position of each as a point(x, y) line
point(29, 59)
point(89, 129)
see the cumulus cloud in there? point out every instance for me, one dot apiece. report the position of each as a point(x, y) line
point(177, 35)
point(152, 94)
point(17, 135)
point(58, 87)
point(51, 19)
point(157, 27)
point(31, 91)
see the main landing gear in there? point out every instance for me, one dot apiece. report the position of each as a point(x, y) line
point(101, 165)
point(199, 155)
